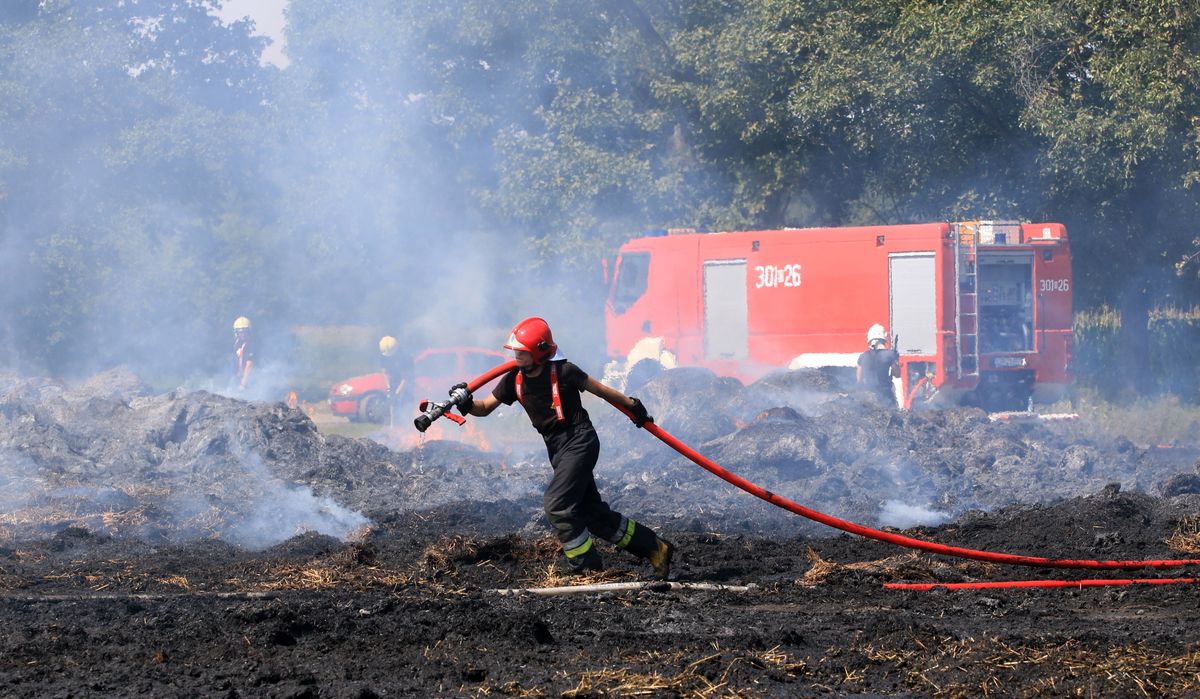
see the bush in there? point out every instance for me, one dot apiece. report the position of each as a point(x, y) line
point(1173, 361)
point(1097, 335)
point(1175, 352)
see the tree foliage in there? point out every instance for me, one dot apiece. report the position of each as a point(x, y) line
point(128, 126)
point(153, 174)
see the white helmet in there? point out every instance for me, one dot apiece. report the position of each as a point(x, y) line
point(876, 333)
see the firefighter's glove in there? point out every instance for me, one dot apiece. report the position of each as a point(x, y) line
point(464, 405)
point(640, 416)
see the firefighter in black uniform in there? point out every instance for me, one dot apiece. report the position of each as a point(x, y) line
point(878, 366)
point(549, 388)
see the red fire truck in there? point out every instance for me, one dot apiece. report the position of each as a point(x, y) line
point(981, 310)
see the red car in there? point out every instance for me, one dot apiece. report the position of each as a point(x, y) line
point(436, 370)
point(361, 398)
point(364, 398)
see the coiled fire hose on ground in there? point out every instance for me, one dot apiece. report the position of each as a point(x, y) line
point(867, 532)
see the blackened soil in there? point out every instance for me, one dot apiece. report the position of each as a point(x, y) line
point(113, 583)
point(412, 610)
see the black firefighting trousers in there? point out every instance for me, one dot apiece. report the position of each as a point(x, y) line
point(573, 503)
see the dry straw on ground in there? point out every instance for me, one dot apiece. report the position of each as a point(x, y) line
point(1186, 538)
point(908, 567)
point(724, 673)
point(936, 666)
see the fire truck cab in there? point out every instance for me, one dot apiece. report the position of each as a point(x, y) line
point(980, 311)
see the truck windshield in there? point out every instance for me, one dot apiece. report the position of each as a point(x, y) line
point(632, 273)
point(1005, 305)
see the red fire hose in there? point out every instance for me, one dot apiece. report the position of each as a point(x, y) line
point(483, 379)
point(860, 530)
point(909, 542)
point(925, 587)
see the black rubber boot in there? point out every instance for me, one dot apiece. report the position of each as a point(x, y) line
point(658, 551)
point(584, 564)
point(643, 542)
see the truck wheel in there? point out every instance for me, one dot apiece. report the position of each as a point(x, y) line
point(373, 408)
point(1001, 399)
point(641, 373)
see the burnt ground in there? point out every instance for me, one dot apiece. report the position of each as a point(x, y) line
point(186, 544)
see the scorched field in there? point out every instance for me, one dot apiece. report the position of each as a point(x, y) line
point(187, 544)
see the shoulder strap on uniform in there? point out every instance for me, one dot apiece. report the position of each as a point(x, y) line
point(555, 398)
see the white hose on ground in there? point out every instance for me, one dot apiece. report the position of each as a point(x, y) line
point(653, 585)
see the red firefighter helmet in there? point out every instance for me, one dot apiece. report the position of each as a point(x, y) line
point(533, 336)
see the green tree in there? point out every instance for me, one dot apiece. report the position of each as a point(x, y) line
point(1111, 88)
point(128, 129)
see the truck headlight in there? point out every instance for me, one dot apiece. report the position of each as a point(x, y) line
point(345, 389)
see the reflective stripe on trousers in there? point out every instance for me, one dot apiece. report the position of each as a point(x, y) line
point(579, 545)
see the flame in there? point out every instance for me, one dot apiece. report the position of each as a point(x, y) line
point(476, 437)
point(402, 437)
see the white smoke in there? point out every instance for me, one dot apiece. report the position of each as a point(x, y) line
point(903, 516)
point(293, 510)
point(205, 481)
point(256, 509)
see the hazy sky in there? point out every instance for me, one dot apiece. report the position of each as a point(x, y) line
point(268, 21)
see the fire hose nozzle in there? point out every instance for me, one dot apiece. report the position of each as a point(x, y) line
point(459, 396)
point(432, 411)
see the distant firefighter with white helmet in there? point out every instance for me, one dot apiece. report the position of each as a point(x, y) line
point(878, 366)
point(396, 363)
point(243, 351)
